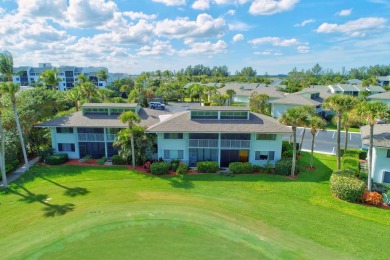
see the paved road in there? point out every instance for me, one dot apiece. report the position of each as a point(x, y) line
point(325, 141)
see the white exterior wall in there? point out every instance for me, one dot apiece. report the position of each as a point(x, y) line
point(380, 163)
point(265, 145)
point(65, 138)
point(173, 144)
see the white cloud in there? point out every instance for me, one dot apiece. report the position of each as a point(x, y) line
point(171, 2)
point(267, 53)
point(345, 12)
point(207, 48)
point(139, 15)
point(303, 49)
point(201, 4)
point(302, 24)
point(231, 12)
point(204, 26)
point(90, 13)
point(275, 41)
point(54, 9)
point(231, 2)
point(158, 48)
point(2, 11)
point(238, 37)
point(355, 28)
point(268, 7)
point(239, 26)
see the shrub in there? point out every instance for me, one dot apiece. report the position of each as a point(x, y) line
point(86, 158)
point(287, 154)
point(118, 160)
point(45, 152)
point(11, 166)
point(346, 186)
point(207, 167)
point(175, 164)
point(267, 167)
point(240, 167)
point(101, 161)
point(286, 146)
point(182, 169)
point(159, 168)
point(350, 163)
point(362, 154)
point(283, 167)
point(57, 159)
point(373, 198)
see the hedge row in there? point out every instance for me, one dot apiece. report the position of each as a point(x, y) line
point(240, 167)
point(118, 160)
point(57, 159)
point(207, 167)
point(350, 163)
point(361, 154)
point(160, 168)
point(346, 186)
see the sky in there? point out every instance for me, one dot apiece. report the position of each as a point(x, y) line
point(271, 36)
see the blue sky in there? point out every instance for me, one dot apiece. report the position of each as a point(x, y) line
point(272, 36)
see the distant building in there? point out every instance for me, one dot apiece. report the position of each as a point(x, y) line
point(383, 80)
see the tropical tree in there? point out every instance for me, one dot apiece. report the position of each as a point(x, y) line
point(315, 123)
point(6, 66)
point(74, 95)
point(50, 78)
point(131, 119)
point(210, 91)
point(103, 75)
point(371, 112)
point(196, 90)
point(2, 155)
point(88, 90)
point(294, 117)
point(105, 94)
point(348, 120)
point(339, 104)
point(258, 103)
point(310, 112)
point(230, 93)
point(10, 90)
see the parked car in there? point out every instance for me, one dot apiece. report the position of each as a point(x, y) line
point(156, 105)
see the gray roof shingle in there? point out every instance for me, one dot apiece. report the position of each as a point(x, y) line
point(296, 100)
point(381, 135)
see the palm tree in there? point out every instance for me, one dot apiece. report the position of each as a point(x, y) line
point(88, 90)
point(73, 95)
point(230, 93)
point(197, 90)
point(310, 112)
point(82, 79)
point(103, 75)
point(2, 156)
point(294, 117)
point(6, 66)
point(347, 121)
point(49, 78)
point(315, 123)
point(210, 91)
point(371, 112)
point(105, 94)
point(131, 119)
point(10, 89)
point(339, 104)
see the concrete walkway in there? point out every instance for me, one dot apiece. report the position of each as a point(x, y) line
point(16, 174)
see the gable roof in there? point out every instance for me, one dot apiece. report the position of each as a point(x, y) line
point(385, 95)
point(296, 100)
point(381, 135)
point(182, 123)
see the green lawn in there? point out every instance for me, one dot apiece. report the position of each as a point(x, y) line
point(70, 212)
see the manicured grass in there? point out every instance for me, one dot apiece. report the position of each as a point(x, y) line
point(332, 126)
point(110, 212)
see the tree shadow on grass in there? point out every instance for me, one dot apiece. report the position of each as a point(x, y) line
point(70, 192)
point(50, 210)
point(181, 182)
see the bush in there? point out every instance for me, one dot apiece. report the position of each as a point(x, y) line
point(361, 154)
point(86, 158)
point(159, 168)
point(287, 146)
point(175, 164)
point(373, 198)
point(240, 167)
point(45, 152)
point(182, 169)
point(101, 161)
point(350, 163)
point(118, 160)
point(346, 186)
point(57, 159)
point(267, 167)
point(207, 167)
point(11, 166)
point(283, 167)
point(287, 154)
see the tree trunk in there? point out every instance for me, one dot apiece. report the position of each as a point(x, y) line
point(294, 129)
point(2, 157)
point(338, 142)
point(346, 140)
point(369, 181)
point(21, 136)
point(303, 136)
point(312, 148)
point(132, 148)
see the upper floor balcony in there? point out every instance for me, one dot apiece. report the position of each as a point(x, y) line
point(96, 137)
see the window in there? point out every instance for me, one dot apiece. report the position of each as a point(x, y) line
point(173, 135)
point(234, 115)
point(173, 154)
point(265, 136)
point(100, 84)
point(388, 153)
point(204, 114)
point(264, 155)
point(386, 177)
point(62, 147)
point(64, 130)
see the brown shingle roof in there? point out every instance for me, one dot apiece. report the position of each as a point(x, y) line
point(381, 135)
point(181, 122)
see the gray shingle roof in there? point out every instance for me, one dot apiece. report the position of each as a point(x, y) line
point(181, 122)
point(381, 135)
point(246, 89)
point(109, 105)
point(296, 100)
point(219, 108)
point(148, 117)
point(385, 95)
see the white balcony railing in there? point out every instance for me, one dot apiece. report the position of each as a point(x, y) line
point(95, 137)
point(203, 143)
point(235, 143)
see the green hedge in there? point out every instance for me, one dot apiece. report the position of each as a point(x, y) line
point(361, 154)
point(350, 163)
point(57, 159)
point(101, 161)
point(346, 186)
point(118, 160)
point(175, 164)
point(159, 168)
point(240, 167)
point(207, 167)
point(182, 169)
point(283, 167)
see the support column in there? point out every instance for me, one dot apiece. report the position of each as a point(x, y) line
point(105, 143)
point(219, 149)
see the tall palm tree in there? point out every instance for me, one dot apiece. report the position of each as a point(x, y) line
point(130, 118)
point(10, 89)
point(371, 112)
point(230, 93)
point(339, 104)
point(2, 155)
point(315, 123)
point(294, 117)
point(6, 66)
point(88, 90)
point(50, 78)
point(347, 121)
point(310, 112)
point(197, 90)
point(103, 75)
point(105, 93)
point(73, 95)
